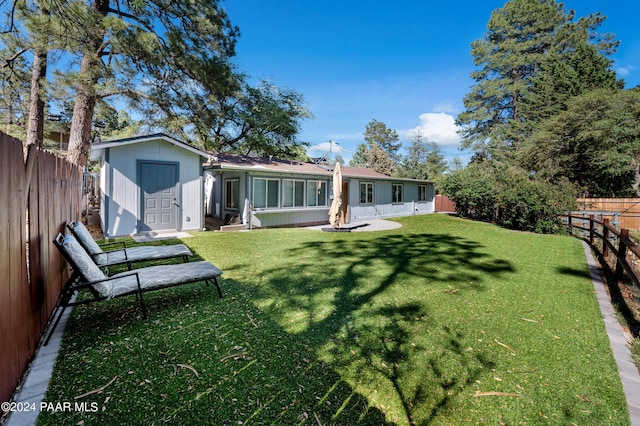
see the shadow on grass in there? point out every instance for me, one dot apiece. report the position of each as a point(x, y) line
point(340, 326)
point(582, 273)
point(363, 305)
point(196, 360)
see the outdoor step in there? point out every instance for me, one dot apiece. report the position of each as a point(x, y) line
point(232, 228)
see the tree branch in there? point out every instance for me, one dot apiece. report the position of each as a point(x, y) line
point(144, 24)
point(11, 21)
point(9, 62)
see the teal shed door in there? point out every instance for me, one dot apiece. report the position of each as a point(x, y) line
point(159, 190)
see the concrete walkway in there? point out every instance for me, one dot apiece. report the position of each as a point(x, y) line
point(618, 341)
point(37, 381)
point(32, 391)
point(364, 226)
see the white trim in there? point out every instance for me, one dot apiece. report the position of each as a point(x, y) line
point(96, 150)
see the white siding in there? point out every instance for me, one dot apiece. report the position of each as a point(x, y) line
point(382, 206)
point(294, 217)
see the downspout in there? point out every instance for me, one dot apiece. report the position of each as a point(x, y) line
point(203, 224)
point(108, 183)
point(248, 204)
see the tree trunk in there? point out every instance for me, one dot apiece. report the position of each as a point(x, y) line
point(636, 177)
point(35, 125)
point(86, 96)
point(85, 102)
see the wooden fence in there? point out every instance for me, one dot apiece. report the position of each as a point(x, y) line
point(36, 200)
point(624, 213)
point(444, 204)
point(611, 240)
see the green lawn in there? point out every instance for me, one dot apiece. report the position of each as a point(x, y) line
point(443, 321)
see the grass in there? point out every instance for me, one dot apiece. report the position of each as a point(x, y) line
point(443, 321)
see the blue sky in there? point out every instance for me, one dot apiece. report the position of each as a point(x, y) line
point(404, 63)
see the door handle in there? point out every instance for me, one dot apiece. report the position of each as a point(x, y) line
point(173, 201)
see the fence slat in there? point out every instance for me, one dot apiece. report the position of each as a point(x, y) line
point(625, 210)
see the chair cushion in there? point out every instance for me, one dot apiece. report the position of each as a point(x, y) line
point(83, 264)
point(134, 254)
point(154, 277)
point(82, 233)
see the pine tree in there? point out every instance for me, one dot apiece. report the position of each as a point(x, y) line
point(378, 134)
point(594, 143)
point(380, 149)
point(423, 160)
point(520, 36)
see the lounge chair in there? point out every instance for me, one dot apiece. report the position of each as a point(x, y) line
point(124, 254)
point(87, 275)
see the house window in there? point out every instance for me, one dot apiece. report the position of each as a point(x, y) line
point(232, 195)
point(292, 193)
point(422, 192)
point(396, 192)
point(366, 192)
point(316, 193)
point(265, 193)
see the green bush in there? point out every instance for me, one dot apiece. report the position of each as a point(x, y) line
point(509, 196)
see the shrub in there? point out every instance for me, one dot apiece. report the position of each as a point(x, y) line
point(509, 196)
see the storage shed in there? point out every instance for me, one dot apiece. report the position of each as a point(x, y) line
point(149, 183)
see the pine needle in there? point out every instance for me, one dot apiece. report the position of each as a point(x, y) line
point(252, 321)
point(505, 346)
point(97, 390)
point(477, 394)
point(234, 356)
point(190, 368)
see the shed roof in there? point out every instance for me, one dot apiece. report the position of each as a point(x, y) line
point(97, 148)
point(232, 162)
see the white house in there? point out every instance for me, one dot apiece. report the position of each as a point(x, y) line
point(293, 193)
point(148, 184)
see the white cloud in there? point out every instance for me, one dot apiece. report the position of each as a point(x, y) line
point(329, 146)
point(625, 71)
point(437, 127)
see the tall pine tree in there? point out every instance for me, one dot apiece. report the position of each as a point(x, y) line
point(519, 37)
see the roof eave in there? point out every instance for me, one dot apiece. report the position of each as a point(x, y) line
point(327, 174)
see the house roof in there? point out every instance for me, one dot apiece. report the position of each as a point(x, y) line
point(97, 148)
point(232, 162)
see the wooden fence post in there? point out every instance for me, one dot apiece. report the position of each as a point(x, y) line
point(591, 230)
point(605, 237)
point(622, 253)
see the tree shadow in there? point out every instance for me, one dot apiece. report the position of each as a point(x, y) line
point(198, 359)
point(581, 273)
point(330, 300)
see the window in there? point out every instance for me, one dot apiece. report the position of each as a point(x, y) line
point(396, 193)
point(316, 193)
point(265, 193)
point(366, 192)
point(422, 192)
point(292, 193)
point(232, 197)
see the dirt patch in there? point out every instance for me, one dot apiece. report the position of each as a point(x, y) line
point(95, 230)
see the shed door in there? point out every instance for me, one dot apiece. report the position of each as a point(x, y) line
point(159, 193)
